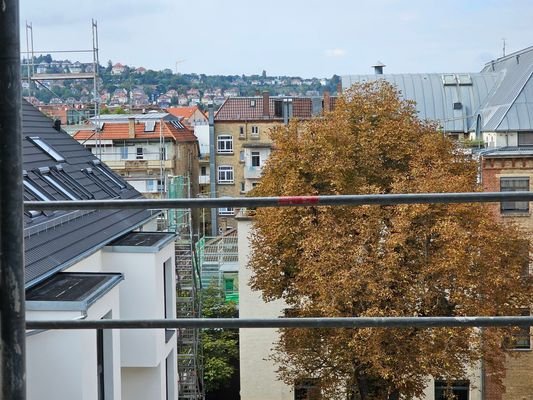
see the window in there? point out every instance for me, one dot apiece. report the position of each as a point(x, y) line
point(225, 174)
point(256, 159)
point(255, 130)
point(519, 184)
point(40, 143)
point(225, 144)
point(448, 390)
point(241, 156)
point(139, 153)
point(203, 171)
point(124, 153)
point(151, 185)
point(307, 389)
point(525, 138)
point(241, 131)
point(226, 211)
point(243, 188)
point(58, 185)
point(521, 340)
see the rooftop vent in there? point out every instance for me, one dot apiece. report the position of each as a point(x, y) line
point(378, 68)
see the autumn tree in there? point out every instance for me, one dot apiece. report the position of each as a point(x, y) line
point(406, 260)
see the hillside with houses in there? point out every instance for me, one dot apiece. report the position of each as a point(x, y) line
point(122, 87)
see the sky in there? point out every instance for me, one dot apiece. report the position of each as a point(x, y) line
point(307, 38)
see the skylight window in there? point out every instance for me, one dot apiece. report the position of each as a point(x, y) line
point(101, 168)
point(45, 173)
point(40, 143)
point(149, 126)
point(177, 124)
point(39, 194)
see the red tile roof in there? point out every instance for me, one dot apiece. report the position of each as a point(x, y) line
point(184, 112)
point(251, 108)
point(120, 131)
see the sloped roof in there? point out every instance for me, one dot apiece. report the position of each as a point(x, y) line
point(59, 168)
point(510, 107)
point(183, 112)
point(435, 94)
point(251, 108)
point(120, 131)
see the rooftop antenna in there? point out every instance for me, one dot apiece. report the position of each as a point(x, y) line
point(503, 50)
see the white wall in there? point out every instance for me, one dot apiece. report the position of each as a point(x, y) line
point(142, 297)
point(62, 365)
point(143, 383)
point(258, 377)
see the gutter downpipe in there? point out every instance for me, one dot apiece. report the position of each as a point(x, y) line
point(12, 295)
point(212, 167)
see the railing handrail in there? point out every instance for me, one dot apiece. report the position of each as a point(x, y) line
point(344, 322)
point(285, 201)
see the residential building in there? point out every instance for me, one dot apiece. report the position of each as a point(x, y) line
point(190, 116)
point(118, 69)
point(92, 265)
point(145, 149)
point(242, 132)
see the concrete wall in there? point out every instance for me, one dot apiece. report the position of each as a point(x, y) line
point(258, 377)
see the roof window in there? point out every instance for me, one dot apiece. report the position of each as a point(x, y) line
point(40, 143)
point(110, 175)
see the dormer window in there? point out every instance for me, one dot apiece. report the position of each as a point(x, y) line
point(252, 103)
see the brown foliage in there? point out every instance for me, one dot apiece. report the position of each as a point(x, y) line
point(409, 260)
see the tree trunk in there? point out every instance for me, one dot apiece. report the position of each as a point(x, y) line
point(394, 395)
point(363, 386)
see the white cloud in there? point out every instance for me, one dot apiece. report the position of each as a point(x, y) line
point(335, 52)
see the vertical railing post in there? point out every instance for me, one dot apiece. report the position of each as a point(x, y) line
point(12, 323)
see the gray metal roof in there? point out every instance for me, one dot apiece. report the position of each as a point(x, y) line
point(150, 116)
point(510, 107)
point(56, 240)
point(435, 94)
point(501, 94)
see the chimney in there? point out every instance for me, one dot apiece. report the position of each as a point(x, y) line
point(378, 68)
point(266, 104)
point(326, 101)
point(131, 127)
point(339, 89)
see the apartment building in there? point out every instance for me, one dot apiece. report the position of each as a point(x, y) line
point(92, 265)
point(147, 150)
point(242, 133)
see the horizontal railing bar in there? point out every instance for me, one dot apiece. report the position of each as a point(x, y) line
point(290, 201)
point(349, 322)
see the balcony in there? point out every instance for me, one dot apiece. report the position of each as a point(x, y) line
point(203, 180)
point(132, 165)
point(252, 172)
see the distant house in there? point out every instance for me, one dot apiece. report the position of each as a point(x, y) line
point(191, 116)
point(118, 69)
point(92, 265)
point(140, 70)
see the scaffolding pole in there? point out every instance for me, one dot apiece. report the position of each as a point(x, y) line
point(289, 201)
point(12, 308)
